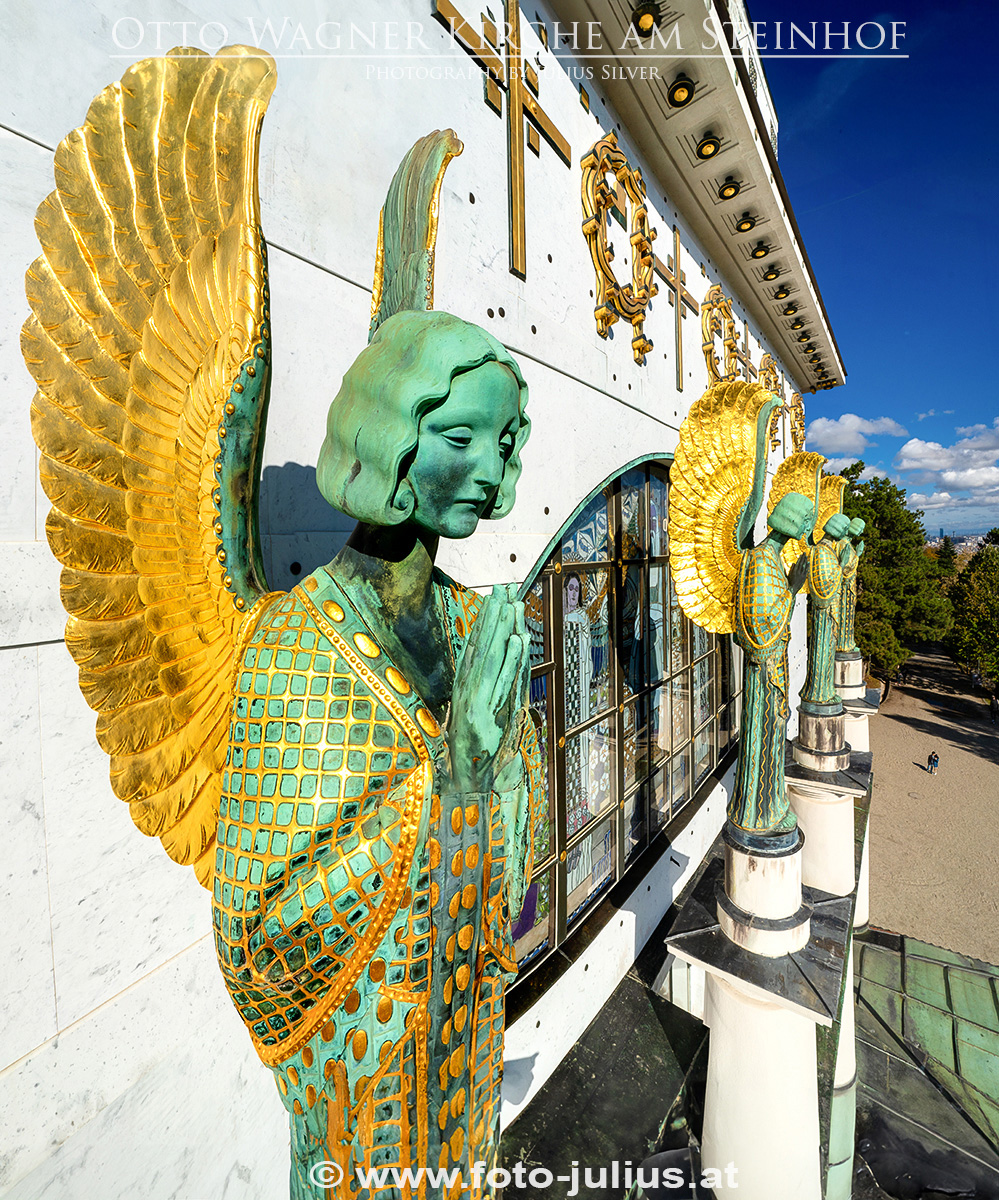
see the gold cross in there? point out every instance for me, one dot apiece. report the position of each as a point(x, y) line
point(521, 83)
point(676, 282)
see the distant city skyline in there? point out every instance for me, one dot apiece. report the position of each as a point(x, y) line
point(887, 162)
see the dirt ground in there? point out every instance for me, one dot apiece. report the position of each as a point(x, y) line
point(935, 838)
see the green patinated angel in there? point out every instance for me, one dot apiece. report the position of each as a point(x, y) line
point(825, 578)
point(850, 550)
point(726, 583)
point(347, 767)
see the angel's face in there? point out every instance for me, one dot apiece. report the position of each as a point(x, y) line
point(464, 445)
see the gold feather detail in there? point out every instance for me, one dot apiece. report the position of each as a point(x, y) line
point(147, 302)
point(710, 485)
point(799, 473)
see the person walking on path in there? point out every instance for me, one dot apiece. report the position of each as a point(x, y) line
point(933, 762)
point(994, 708)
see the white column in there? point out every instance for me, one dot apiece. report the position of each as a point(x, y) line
point(761, 1109)
point(843, 1116)
point(856, 730)
point(826, 817)
point(862, 912)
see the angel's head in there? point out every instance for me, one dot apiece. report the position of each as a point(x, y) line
point(857, 527)
point(428, 426)
point(793, 515)
point(837, 526)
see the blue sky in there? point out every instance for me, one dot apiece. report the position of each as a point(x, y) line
point(891, 165)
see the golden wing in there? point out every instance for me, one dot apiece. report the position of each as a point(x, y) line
point(711, 481)
point(149, 344)
point(830, 500)
point(800, 473)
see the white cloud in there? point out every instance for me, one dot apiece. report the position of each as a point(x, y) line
point(835, 465)
point(923, 416)
point(959, 482)
point(975, 477)
point(936, 500)
point(848, 434)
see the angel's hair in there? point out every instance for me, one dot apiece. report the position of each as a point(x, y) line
point(373, 424)
point(857, 527)
point(793, 515)
point(837, 526)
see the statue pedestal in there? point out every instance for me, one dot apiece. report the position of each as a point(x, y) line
point(770, 1108)
point(848, 675)
point(761, 1108)
point(766, 1106)
point(825, 805)
point(760, 907)
point(821, 744)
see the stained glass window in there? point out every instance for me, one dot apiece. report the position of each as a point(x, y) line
point(633, 704)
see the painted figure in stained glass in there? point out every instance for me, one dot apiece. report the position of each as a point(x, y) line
point(578, 651)
point(349, 767)
point(726, 583)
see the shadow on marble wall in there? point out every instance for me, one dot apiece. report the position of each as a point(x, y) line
point(299, 530)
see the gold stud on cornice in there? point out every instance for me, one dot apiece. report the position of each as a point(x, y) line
point(679, 94)
point(708, 146)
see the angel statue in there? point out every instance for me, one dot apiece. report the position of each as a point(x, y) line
point(727, 584)
point(825, 577)
point(347, 767)
point(850, 551)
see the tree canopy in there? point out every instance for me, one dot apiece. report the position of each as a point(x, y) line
point(974, 639)
point(899, 598)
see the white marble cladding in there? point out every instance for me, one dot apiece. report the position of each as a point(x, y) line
point(123, 1068)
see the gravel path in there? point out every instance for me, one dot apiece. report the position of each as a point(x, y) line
point(935, 838)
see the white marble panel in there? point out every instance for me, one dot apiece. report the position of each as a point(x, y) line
point(157, 1094)
point(320, 325)
point(27, 1000)
point(27, 173)
point(120, 907)
point(30, 609)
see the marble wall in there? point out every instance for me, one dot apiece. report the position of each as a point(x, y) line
point(123, 1069)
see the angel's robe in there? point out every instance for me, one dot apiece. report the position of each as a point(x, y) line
point(825, 578)
point(764, 603)
point(849, 561)
point(363, 914)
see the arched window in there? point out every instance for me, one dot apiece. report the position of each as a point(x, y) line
point(633, 703)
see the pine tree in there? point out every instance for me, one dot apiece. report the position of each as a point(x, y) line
point(946, 559)
point(899, 597)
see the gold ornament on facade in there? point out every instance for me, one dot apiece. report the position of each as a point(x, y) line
point(717, 320)
point(769, 376)
point(801, 473)
point(614, 300)
point(710, 485)
point(796, 409)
